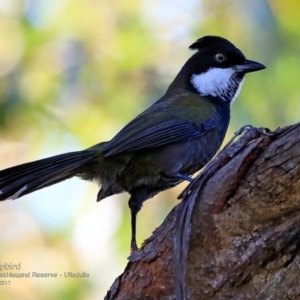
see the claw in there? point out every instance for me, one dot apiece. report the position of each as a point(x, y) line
point(262, 130)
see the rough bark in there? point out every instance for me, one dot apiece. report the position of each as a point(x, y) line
point(235, 235)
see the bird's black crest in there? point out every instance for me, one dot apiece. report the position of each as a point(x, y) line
point(209, 41)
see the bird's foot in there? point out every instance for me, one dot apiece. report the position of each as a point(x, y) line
point(184, 177)
point(133, 247)
point(262, 130)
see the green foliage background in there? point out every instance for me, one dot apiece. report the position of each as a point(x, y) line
point(72, 73)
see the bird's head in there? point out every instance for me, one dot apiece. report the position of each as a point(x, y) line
point(217, 69)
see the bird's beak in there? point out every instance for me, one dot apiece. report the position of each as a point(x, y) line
point(249, 66)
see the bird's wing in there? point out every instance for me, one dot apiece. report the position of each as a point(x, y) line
point(155, 128)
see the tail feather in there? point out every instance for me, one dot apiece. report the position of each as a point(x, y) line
point(31, 168)
point(26, 178)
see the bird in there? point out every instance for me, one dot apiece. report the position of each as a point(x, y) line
point(164, 145)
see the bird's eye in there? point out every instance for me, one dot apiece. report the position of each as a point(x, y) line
point(220, 57)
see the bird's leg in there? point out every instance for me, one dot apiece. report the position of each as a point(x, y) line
point(135, 206)
point(184, 177)
point(133, 245)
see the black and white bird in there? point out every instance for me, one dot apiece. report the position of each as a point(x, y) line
point(164, 145)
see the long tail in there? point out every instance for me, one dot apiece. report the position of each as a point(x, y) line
point(26, 178)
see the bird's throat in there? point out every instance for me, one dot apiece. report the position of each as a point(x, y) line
point(220, 83)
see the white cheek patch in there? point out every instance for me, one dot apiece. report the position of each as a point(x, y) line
point(210, 82)
point(218, 82)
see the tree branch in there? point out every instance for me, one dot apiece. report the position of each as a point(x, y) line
point(235, 235)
